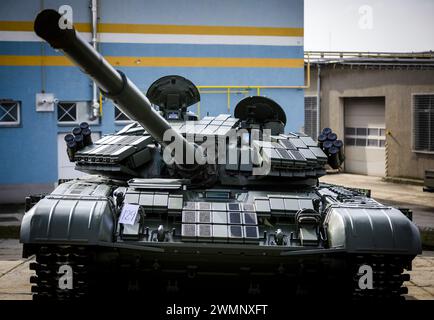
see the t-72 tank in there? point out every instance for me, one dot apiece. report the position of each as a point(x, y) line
point(177, 204)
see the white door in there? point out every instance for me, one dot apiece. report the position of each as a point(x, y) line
point(65, 168)
point(365, 136)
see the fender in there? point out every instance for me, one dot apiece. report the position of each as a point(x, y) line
point(76, 212)
point(371, 229)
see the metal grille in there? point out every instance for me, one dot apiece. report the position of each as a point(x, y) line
point(10, 113)
point(67, 112)
point(423, 117)
point(120, 116)
point(310, 112)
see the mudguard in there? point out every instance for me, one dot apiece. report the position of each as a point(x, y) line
point(75, 212)
point(371, 229)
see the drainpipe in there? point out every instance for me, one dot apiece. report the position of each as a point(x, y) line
point(318, 101)
point(95, 104)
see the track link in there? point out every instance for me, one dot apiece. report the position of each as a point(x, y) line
point(388, 277)
point(49, 260)
point(387, 274)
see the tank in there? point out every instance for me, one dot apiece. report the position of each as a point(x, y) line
point(173, 204)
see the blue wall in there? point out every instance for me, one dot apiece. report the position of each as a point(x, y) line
point(28, 153)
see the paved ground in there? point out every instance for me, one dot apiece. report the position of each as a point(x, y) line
point(398, 195)
point(15, 274)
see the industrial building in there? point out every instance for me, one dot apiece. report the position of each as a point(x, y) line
point(255, 47)
point(381, 103)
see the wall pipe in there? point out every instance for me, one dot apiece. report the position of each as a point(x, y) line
point(96, 112)
point(318, 101)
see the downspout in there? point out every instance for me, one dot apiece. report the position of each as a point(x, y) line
point(95, 104)
point(318, 101)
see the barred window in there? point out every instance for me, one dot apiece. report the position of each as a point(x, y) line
point(423, 122)
point(67, 112)
point(120, 117)
point(310, 113)
point(10, 113)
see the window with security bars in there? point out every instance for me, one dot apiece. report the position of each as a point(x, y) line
point(121, 117)
point(67, 112)
point(310, 113)
point(10, 113)
point(423, 122)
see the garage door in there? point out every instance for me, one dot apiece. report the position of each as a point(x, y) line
point(65, 169)
point(365, 136)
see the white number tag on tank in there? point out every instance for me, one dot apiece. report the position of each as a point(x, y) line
point(129, 214)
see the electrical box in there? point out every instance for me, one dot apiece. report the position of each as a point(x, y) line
point(45, 102)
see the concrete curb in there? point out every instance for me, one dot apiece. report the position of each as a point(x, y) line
point(414, 182)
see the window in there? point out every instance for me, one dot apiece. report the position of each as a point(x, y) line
point(71, 113)
point(372, 143)
point(423, 122)
point(10, 113)
point(362, 131)
point(67, 112)
point(350, 141)
point(373, 131)
point(350, 131)
point(120, 117)
point(310, 113)
point(365, 137)
point(361, 142)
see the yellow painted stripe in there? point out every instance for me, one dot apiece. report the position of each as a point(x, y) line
point(16, 26)
point(166, 29)
point(205, 62)
point(7, 60)
point(34, 61)
point(28, 26)
point(203, 30)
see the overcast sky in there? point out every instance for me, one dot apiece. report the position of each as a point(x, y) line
point(370, 25)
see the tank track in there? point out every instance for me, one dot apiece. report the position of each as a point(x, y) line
point(46, 281)
point(388, 277)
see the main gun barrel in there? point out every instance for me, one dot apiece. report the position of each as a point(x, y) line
point(114, 84)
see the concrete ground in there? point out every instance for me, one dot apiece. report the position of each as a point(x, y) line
point(15, 274)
